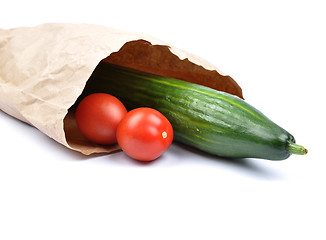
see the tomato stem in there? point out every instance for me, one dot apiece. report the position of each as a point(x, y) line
point(297, 149)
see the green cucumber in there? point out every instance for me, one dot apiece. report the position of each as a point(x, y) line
point(212, 121)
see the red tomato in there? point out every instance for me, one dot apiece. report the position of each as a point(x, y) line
point(144, 134)
point(98, 116)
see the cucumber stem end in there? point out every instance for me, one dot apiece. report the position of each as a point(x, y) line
point(297, 149)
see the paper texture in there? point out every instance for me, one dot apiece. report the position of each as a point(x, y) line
point(44, 69)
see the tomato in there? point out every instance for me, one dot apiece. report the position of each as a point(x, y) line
point(97, 117)
point(144, 134)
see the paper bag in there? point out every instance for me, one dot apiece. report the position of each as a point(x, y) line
point(44, 69)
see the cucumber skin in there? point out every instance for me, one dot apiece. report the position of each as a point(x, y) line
point(212, 121)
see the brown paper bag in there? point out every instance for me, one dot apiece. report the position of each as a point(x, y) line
point(44, 69)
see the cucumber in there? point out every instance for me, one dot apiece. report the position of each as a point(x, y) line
point(212, 121)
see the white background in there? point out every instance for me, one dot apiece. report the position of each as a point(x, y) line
point(275, 50)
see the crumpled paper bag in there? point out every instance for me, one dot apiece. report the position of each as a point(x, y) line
point(44, 69)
